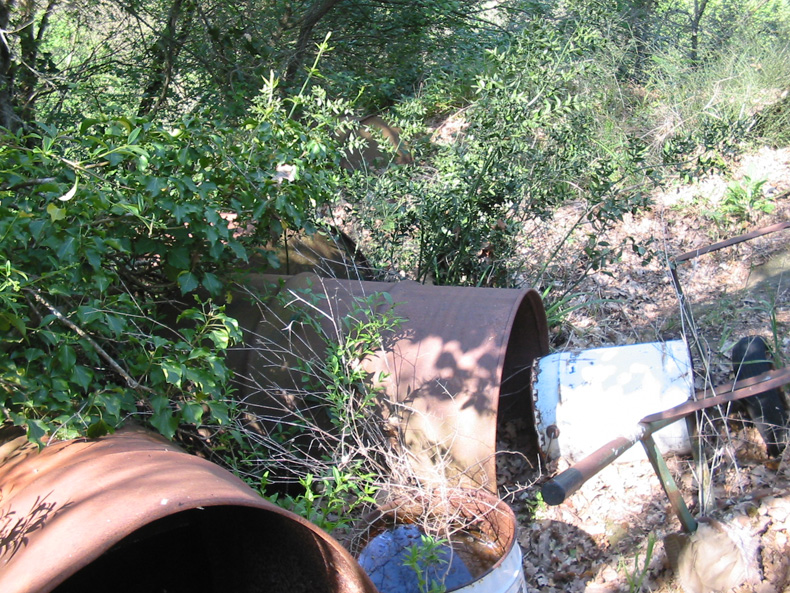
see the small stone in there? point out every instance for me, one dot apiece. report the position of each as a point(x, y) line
point(781, 539)
point(594, 588)
point(777, 508)
point(609, 574)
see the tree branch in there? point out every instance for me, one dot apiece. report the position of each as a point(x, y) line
point(132, 383)
point(316, 12)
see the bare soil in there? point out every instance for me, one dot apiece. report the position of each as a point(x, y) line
point(597, 541)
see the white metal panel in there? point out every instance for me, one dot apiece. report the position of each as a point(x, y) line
point(585, 398)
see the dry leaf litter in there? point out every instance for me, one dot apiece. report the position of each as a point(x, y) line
point(597, 541)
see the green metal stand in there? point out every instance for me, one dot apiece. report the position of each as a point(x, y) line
point(668, 484)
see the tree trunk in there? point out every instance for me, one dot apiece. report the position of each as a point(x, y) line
point(30, 39)
point(163, 57)
point(316, 12)
point(641, 13)
point(696, 18)
point(8, 119)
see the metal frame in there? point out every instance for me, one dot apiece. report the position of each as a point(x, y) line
point(557, 490)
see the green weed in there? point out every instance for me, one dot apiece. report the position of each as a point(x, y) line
point(743, 201)
point(424, 556)
point(636, 576)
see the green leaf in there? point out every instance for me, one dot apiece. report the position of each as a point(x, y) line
point(178, 257)
point(163, 418)
point(181, 211)
point(219, 411)
point(155, 186)
point(173, 372)
point(125, 123)
point(212, 283)
point(37, 226)
point(87, 123)
point(82, 376)
point(189, 184)
point(238, 250)
point(165, 422)
point(188, 282)
point(33, 354)
point(111, 402)
point(67, 248)
point(192, 412)
point(36, 429)
point(220, 338)
point(102, 281)
point(98, 429)
point(182, 156)
point(56, 213)
point(134, 135)
point(94, 259)
point(66, 357)
point(206, 188)
point(14, 321)
point(116, 324)
point(212, 236)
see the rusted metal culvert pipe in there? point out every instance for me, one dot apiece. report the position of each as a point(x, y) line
point(133, 512)
point(460, 361)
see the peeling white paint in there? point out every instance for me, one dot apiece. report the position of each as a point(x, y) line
point(593, 396)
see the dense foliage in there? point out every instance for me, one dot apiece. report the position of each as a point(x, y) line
point(102, 223)
point(526, 148)
point(161, 153)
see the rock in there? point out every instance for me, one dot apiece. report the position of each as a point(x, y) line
point(715, 558)
point(777, 508)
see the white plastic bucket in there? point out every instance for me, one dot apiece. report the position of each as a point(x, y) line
point(506, 576)
point(476, 512)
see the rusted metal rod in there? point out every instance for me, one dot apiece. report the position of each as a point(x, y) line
point(733, 241)
point(723, 394)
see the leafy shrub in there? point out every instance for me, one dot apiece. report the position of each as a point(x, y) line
point(102, 224)
point(742, 202)
point(314, 439)
point(702, 116)
point(527, 145)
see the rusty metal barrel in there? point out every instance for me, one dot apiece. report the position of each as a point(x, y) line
point(133, 512)
point(459, 362)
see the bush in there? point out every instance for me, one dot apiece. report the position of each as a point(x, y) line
point(315, 436)
point(528, 143)
point(102, 224)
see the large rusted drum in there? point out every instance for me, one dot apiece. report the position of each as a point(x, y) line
point(375, 156)
point(459, 362)
point(132, 512)
point(327, 252)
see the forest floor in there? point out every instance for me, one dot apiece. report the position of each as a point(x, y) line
point(597, 541)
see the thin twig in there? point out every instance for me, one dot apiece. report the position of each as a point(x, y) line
point(28, 183)
point(131, 382)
